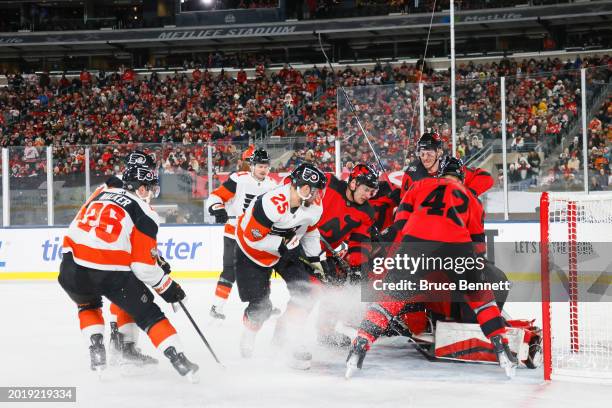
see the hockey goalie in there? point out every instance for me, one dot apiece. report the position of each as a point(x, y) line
point(440, 217)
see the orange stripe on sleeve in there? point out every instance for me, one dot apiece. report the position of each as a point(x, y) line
point(224, 193)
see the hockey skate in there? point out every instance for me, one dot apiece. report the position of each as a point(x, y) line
point(133, 362)
point(183, 366)
point(354, 361)
point(114, 345)
point(334, 339)
point(216, 313)
point(97, 353)
point(247, 343)
point(300, 359)
point(507, 360)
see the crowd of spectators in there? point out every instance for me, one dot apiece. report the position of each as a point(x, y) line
point(177, 115)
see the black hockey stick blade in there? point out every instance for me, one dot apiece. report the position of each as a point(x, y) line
point(200, 333)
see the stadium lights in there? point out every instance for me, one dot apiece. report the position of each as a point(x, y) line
point(207, 2)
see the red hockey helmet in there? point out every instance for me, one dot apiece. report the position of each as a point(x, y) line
point(364, 174)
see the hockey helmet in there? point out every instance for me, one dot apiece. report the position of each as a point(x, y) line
point(451, 166)
point(259, 156)
point(139, 158)
point(429, 141)
point(364, 174)
point(136, 176)
point(308, 174)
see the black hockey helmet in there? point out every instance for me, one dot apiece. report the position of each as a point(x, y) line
point(429, 141)
point(139, 158)
point(136, 176)
point(451, 166)
point(364, 174)
point(308, 174)
point(259, 156)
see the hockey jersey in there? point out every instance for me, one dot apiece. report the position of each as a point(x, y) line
point(440, 210)
point(345, 221)
point(236, 193)
point(116, 231)
point(476, 179)
point(269, 219)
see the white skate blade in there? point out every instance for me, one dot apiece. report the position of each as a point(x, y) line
point(192, 377)
point(114, 359)
point(351, 369)
point(508, 366)
point(100, 372)
point(510, 371)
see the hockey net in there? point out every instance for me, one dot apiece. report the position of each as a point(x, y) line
point(575, 229)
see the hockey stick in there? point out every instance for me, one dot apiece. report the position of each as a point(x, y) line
point(354, 112)
point(200, 333)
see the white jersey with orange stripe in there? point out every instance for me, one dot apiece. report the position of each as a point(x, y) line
point(236, 194)
point(116, 231)
point(269, 218)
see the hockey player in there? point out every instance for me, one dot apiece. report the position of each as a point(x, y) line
point(110, 250)
point(279, 231)
point(439, 211)
point(429, 150)
point(226, 204)
point(384, 203)
point(124, 332)
point(347, 217)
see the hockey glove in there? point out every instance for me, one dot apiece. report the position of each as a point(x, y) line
point(164, 265)
point(169, 290)
point(320, 267)
point(218, 211)
point(290, 249)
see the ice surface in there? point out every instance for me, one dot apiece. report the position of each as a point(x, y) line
point(41, 345)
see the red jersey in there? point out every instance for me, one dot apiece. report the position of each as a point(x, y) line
point(476, 179)
point(440, 210)
point(384, 204)
point(343, 221)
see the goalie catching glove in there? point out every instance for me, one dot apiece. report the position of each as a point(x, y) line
point(218, 211)
point(169, 290)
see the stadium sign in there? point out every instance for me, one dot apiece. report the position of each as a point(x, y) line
point(563, 12)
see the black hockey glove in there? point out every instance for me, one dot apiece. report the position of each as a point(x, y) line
point(169, 290)
point(164, 265)
point(291, 250)
point(218, 211)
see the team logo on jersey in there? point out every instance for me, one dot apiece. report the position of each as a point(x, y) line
point(256, 233)
point(310, 175)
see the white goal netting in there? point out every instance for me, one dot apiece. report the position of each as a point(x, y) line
point(576, 279)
